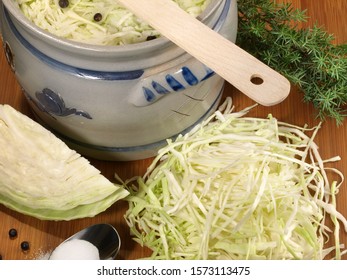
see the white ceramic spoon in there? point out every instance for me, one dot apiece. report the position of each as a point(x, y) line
point(228, 60)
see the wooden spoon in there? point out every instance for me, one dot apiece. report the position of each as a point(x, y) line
point(228, 60)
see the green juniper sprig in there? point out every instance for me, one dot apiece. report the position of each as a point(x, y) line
point(306, 56)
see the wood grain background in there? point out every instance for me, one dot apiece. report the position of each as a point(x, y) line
point(45, 235)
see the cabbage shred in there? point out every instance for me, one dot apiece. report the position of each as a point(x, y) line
point(116, 26)
point(237, 187)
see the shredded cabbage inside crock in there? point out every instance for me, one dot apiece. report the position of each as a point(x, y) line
point(238, 187)
point(117, 26)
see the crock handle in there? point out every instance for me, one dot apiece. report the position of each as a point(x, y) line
point(152, 88)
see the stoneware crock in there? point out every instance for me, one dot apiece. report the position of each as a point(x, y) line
point(113, 102)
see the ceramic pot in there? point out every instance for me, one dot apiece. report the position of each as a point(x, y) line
point(113, 102)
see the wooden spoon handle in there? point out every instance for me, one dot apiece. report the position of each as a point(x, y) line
point(228, 60)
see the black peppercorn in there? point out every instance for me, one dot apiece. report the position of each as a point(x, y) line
point(25, 245)
point(12, 233)
point(151, 37)
point(98, 17)
point(63, 3)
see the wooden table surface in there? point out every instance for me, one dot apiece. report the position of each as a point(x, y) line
point(45, 235)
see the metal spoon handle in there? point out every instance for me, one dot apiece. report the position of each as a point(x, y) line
point(228, 60)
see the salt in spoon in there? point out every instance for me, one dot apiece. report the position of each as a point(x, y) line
point(103, 236)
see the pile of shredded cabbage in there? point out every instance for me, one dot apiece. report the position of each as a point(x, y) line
point(238, 187)
point(116, 26)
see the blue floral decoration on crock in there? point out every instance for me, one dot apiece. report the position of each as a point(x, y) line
point(9, 55)
point(52, 103)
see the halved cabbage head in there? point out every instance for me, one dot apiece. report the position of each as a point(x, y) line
point(42, 177)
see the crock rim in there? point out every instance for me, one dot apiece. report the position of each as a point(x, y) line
point(52, 39)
